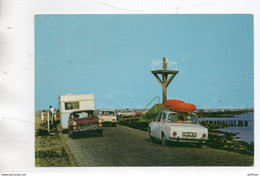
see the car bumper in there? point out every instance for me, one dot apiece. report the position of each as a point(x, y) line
point(109, 122)
point(188, 140)
point(90, 128)
point(87, 131)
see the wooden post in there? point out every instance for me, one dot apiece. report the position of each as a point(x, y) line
point(48, 121)
point(164, 77)
point(164, 82)
point(164, 63)
point(51, 118)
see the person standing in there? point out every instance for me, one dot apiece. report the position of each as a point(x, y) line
point(55, 115)
point(51, 110)
point(56, 118)
point(43, 117)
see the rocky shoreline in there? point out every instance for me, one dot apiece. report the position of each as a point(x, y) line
point(224, 140)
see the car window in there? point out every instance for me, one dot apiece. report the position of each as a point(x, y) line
point(107, 113)
point(95, 113)
point(158, 117)
point(194, 119)
point(81, 115)
point(172, 118)
point(182, 118)
point(163, 117)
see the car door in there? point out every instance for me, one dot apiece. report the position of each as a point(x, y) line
point(158, 126)
point(155, 126)
point(161, 125)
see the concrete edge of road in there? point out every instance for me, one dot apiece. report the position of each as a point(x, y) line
point(69, 154)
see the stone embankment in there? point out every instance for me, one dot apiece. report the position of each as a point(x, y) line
point(223, 140)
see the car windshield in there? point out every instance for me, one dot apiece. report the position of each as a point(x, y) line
point(85, 114)
point(182, 118)
point(107, 113)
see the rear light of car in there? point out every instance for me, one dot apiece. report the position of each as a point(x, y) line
point(174, 133)
point(204, 135)
point(113, 119)
point(100, 122)
point(74, 123)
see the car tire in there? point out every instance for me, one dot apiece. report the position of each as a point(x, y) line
point(164, 140)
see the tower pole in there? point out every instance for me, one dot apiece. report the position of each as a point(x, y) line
point(164, 82)
point(164, 76)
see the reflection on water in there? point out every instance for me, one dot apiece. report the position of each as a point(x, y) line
point(243, 133)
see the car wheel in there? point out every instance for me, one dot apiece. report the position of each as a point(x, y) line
point(114, 125)
point(164, 140)
point(69, 133)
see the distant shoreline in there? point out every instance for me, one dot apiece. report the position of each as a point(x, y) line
point(225, 114)
point(218, 116)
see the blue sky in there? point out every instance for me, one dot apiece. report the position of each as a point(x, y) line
point(112, 56)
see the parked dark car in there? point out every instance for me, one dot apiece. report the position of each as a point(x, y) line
point(84, 122)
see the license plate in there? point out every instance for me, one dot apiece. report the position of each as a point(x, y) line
point(87, 126)
point(189, 134)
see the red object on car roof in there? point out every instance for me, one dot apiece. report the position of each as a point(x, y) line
point(138, 113)
point(180, 106)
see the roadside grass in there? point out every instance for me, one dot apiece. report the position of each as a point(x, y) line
point(49, 151)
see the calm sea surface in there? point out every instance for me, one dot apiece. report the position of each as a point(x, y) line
point(243, 133)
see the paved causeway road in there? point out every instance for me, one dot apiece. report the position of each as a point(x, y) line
point(124, 146)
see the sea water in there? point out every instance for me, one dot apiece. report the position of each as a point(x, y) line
point(244, 133)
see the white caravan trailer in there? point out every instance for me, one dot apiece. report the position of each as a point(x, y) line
point(74, 102)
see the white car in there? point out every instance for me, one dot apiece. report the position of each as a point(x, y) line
point(107, 116)
point(177, 127)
